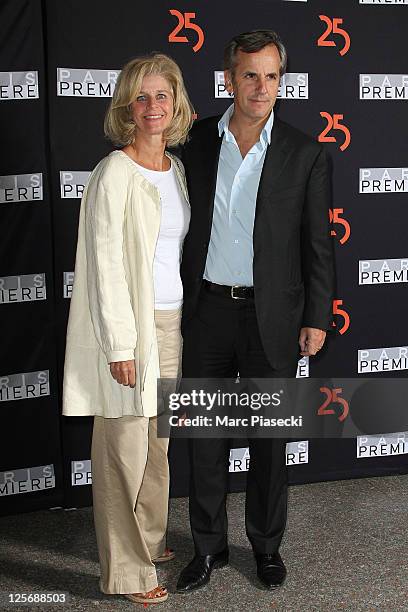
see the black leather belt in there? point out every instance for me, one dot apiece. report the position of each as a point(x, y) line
point(236, 292)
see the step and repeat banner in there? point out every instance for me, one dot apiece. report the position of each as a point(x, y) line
point(30, 425)
point(346, 85)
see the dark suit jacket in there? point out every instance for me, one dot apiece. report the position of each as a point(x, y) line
point(293, 266)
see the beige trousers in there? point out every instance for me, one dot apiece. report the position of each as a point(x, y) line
point(130, 483)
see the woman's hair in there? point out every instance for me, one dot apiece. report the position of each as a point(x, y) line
point(119, 126)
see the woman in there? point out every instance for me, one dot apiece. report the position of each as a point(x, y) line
point(124, 323)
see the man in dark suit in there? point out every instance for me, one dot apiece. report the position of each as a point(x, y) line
point(258, 283)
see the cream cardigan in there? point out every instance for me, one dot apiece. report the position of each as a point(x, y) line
point(111, 316)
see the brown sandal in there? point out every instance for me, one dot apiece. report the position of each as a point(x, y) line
point(156, 595)
point(168, 555)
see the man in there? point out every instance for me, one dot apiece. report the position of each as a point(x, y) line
point(258, 275)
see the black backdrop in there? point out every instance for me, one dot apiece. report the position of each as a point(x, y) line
point(73, 51)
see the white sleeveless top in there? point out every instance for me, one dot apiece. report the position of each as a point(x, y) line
point(175, 219)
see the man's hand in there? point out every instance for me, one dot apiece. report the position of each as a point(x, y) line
point(124, 372)
point(311, 340)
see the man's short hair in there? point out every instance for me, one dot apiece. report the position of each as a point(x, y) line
point(251, 42)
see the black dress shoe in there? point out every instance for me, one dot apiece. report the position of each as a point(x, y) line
point(271, 570)
point(198, 571)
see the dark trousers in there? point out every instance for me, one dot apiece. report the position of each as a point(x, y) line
point(221, 340)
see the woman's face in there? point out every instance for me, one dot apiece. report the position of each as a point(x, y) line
point(152, 111)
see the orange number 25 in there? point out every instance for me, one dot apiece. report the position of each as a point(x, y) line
point(334, 123)
point(333, 397)
point(185, 21)
point(333, 26)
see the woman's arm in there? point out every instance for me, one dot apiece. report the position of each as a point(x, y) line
point(111, 309)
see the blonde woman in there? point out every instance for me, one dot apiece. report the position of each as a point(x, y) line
point(124, 324)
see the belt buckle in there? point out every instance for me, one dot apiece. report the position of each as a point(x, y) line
point(236, 297)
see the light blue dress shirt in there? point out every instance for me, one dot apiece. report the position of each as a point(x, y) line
point(230, 252)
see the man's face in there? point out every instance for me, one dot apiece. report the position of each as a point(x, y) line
point(255, 82)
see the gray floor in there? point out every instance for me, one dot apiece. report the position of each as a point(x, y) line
point(346, 548)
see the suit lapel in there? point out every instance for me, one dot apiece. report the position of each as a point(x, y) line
point(276, 157)
point(210, 170)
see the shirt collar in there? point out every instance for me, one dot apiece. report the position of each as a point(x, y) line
point(223, 127)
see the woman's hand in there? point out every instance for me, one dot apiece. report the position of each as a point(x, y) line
point(124, 372)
